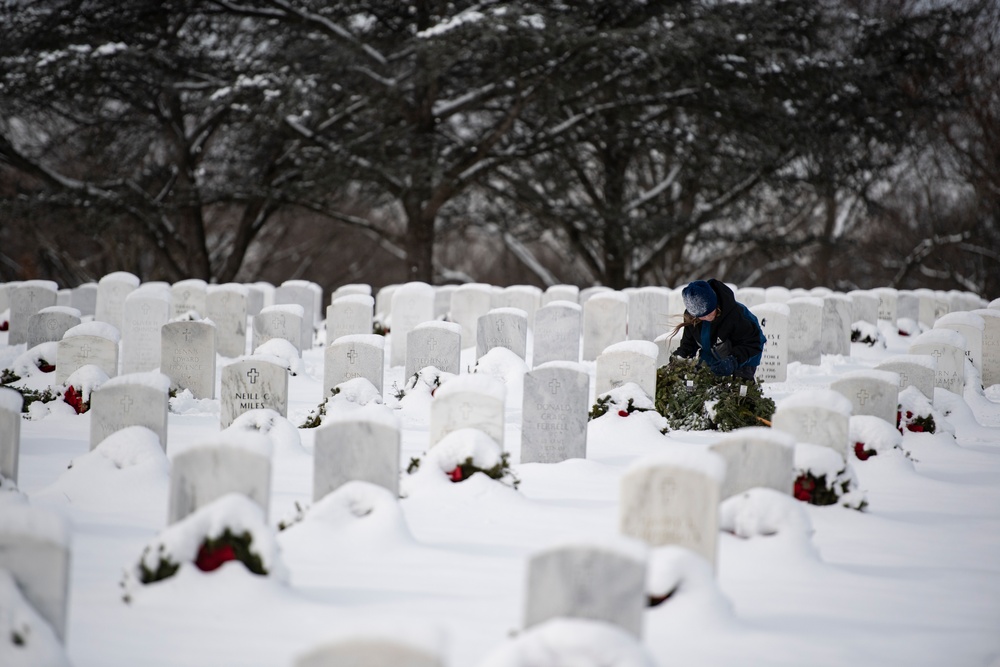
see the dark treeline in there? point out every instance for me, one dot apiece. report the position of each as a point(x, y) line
point(846, 143)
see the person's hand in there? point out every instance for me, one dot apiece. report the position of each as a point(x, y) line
point(724, 366)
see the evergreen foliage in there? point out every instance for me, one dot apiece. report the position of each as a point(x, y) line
point(692, 398)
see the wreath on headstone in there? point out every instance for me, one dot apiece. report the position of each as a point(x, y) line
point(693, 398)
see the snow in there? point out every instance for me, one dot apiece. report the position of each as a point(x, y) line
point(961, 318)
point(229, 287)
point(695, 459)
point(290, 308)
point(509, 310)
point(925, 360)
point(913, 579)
point(87, 378)
point(94, 328)
point(565, 304)
point(453, 327)
point(152, 379)
point(44, 284)
point(34, 523)
point(65, 310)
point(360, 299)
point(10, 400)
point(40, 647)
point(642, 347)
point(368, 339)
point(940, 337)
point(610, 295)
point(120, 276)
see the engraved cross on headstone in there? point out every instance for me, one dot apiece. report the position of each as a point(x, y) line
point(85, 351)
point(903, 382)
point(624, 367)
point(253, 374)
point(352, 355)
point(554, 386)
point(810, 423)
point(863, 396)
point(187, 334)
point(127, 403)
point(466, 410)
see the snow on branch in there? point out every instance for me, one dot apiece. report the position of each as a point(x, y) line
point(655, 190)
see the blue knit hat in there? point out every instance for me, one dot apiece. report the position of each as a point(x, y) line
point(699, 298)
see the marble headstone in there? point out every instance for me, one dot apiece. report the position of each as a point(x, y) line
point(555, 411)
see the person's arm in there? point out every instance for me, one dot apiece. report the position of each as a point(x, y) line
point(746, 339)
point(689, 346)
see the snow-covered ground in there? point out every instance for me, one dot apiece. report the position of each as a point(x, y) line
point(913, 580)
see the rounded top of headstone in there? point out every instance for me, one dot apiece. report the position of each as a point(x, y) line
point(121, 277)
point(813, 301)
point(961, 318)
point(289, 308)
point(228, 287)
point(759, 433)
point(366, 339)
point(621, 545)
point(240, 438)
point(369, 413)
point(11, 400)
point(526, 289)
point(644, 347)
point(361, 299)
point(97, 329)
point(508, 310)
point(453, 327)
point(151, 379)
point(418, 646)
point(27, 522)
point(697, 459)
point(820, 399)
point(159, 291)
point(772, 307)
point(560, 365)
point(986, 312)
point(940, 337)
point(192, 283)
point(880, 375)
point(609, 295)
point(65, 310)
point(44, 284)
point(924, 360)
point(562, 303)
point(476, 383)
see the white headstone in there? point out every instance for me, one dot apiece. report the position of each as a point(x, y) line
point(11, 403)
point(111, 292)
point(357, 356)
point(526, 297)
point(751, 296)
point(665, 346)
point(916, 370)
point(442, 300)
point(648, 312)
point(189, 295)
point(84, 299)
point(907, 306)
point(864, 306)
point(777, 294)
point(556, 336)
point(588, 292)
point(307, 294)
point(970, 325)
point(437, 344)
point(605, 316)
point(673, 499)
point(227, 307)
point(377, 650)
point(835, 336)
point(234, 462)
point(88, 344)
point(601, 582)
point(359, 289)
point(49, 324)
point(569, 293)
point(948, 349)
point(628, 361)
point(991, 345)
point(469, 302)
point(932, 305)
point(555, 407)
point(871, 392)
point(805, 327)
point(34, 548)
point(468, 401)
point(503, 327)
point(360, 445)
point(26, 299)
point(886, 303)
point(773, 319)
point(412, 304)
point(817, 416)
point(144, 313)
point(756, 457)
point(136, 399)
point(252, 384)
point(187, 356)
point(284, 321)
point(383, 302)
point(349, 314)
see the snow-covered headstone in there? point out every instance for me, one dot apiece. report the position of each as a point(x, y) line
point(914, 370)
point(886, 303)
point(49, 324)
point(526, 297)
point(972, 327)
point(135, 399)
point(111, 292)
point(605, 318)
point(374, 650)
point(597, 581)
point(84, 299)
point(871, 392)
point(627, 361)
point(307, 294)
point(948, 349)
point(502, 327)
point(257, 298)
point(666, 343)
point(88, 344)
point(144, 313)
point(751, 296)
point(188, 295)
point(648, 312)
point(11, 403)
point(352, 289)
point(412, 304)
point(187, 356)
point(283, 320)
point(672, 498)
point(235, 462)
point(252, 384)
point(383, 301)
point(991, 345)
point(442, 300)
point(468, 401)
point(26, 299)
point(569, 293)
point(469, 302)
point(227, 307)
point(864, 306)
point(805, 328)
point(556, 336)
point(773, 319)
point(359, 445)
point(931, 305)
point(756, 457)
point(349, 314)
point(555, 408)
point(817, 416)
point(777, 294)
point(34, 548)
point(437, 344)
point(835, 335)
point(355, 356)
